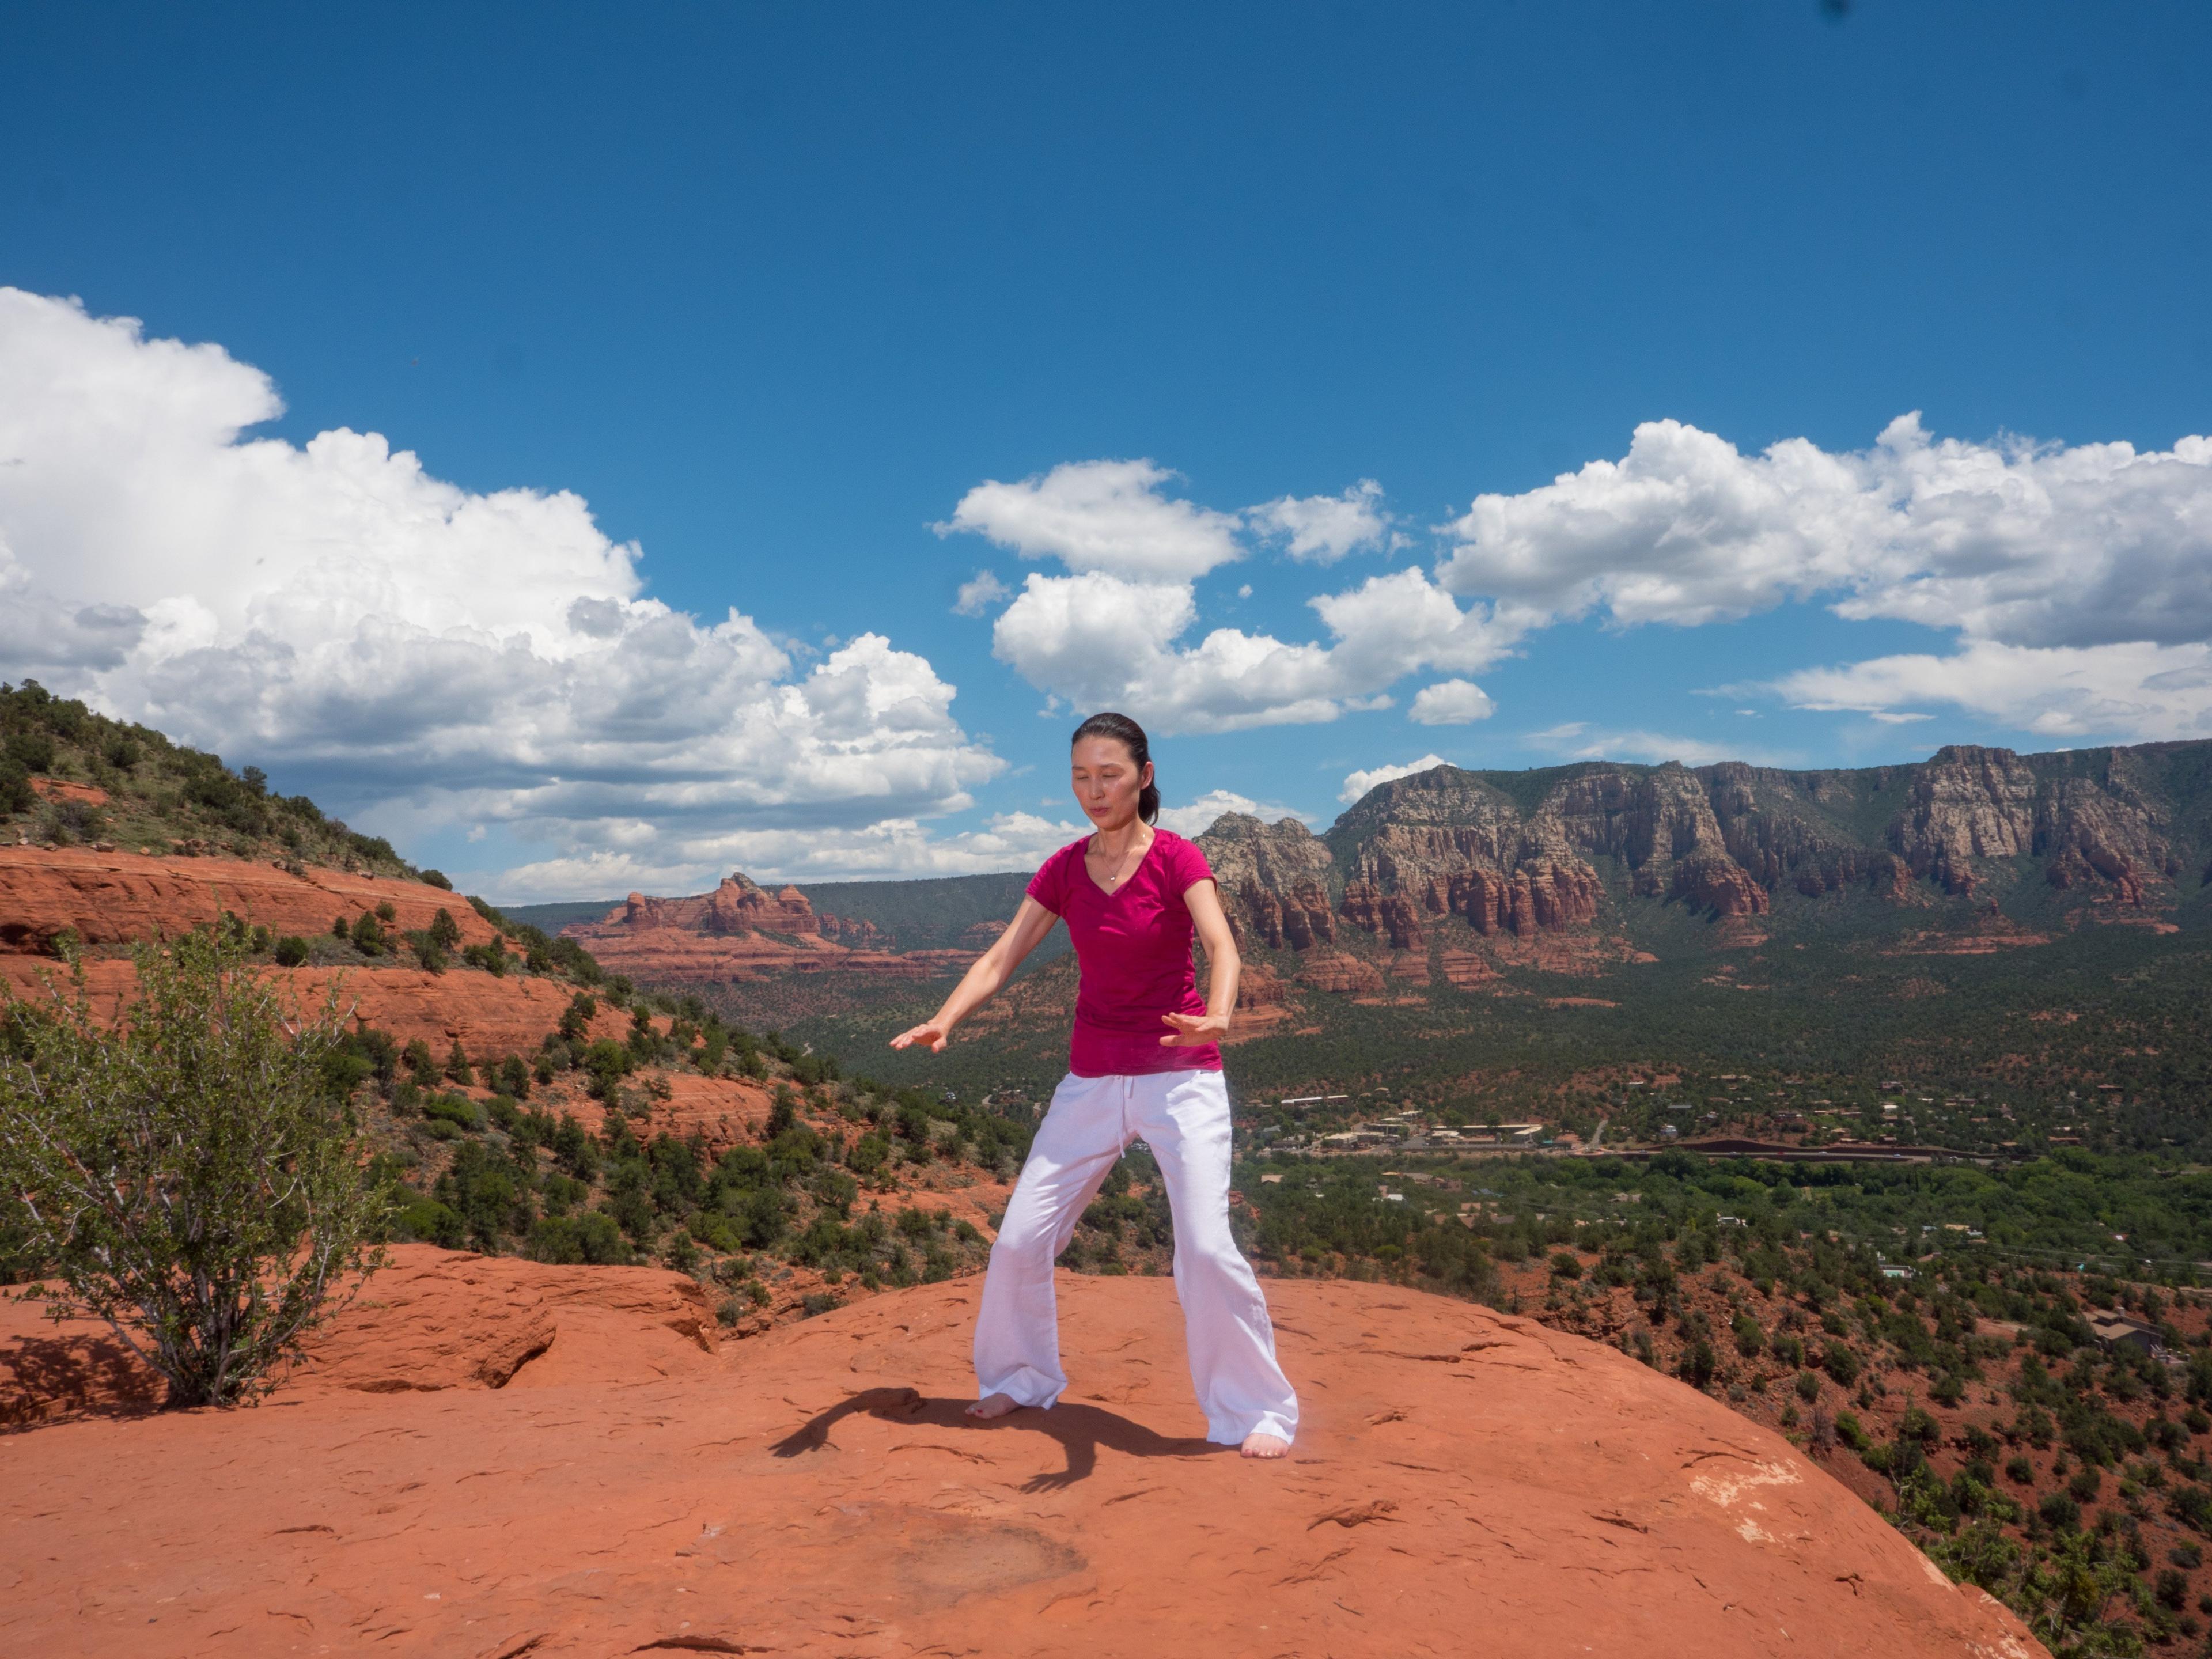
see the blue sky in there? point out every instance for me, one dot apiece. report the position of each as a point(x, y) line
point(771, 291)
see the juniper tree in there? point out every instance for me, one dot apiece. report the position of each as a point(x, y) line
point(185, 1173)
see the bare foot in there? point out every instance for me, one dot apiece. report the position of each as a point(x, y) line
point(991, 1406)
point(1257, 1444)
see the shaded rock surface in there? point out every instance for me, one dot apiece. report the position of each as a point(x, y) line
point(1464, 1481)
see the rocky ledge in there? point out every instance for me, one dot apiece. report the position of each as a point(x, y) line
point(496, 1460)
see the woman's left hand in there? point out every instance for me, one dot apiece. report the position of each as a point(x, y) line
point(1194, 1030)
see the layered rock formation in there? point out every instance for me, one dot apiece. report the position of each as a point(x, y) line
point(1273, 879)
point(816, 1491)
point(113, 898)
point(742, 933)
point(486, 1016)
point(1525, 855)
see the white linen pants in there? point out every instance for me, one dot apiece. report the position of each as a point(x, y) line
point(1183, 1116)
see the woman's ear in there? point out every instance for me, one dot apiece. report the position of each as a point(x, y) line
point(1144, 777)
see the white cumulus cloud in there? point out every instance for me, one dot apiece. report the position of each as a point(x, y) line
point(901, 848)
point(1106, 516)
point(1357, 784)
point(976, 597)
point(2137, 690)
point(1198, 815)
point(1450, 702)
point(2069, 573)
point(1101, 641)
point(1322, 529)
point(467, 656)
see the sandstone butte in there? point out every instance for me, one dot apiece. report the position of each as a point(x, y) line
point(490, 1459)
point(742, 933)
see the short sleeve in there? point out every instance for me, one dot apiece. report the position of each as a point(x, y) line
point(1048, 887)
point(1187, 864)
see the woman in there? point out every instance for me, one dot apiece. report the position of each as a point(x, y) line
point(1131, 896)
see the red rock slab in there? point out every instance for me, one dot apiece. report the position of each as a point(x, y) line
point(111, 898)
point(63, 789)
point(1465, 1482)
point(490, 1016)
point(431, 1319)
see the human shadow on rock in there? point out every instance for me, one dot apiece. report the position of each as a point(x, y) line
point(1081, 1429)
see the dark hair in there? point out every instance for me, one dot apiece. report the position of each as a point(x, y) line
point(1131, 735)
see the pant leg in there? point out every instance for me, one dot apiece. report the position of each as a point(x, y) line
point(1183, 1116)
point(1017, 1324)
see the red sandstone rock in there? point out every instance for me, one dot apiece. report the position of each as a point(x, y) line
point(490, 1017)
point(741, 934)
point(1725, 887)
point(1334, 970)
point(1465, 1482)
point(63, 789)
point(721, 1111)
point(111, 898)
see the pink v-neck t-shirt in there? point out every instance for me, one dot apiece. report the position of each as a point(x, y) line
point(1133, 946)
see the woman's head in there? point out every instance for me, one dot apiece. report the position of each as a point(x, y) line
point(1110, 764)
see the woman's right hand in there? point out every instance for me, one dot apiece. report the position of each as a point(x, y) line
point(929, 1032)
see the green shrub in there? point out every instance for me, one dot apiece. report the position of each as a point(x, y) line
point(456, 1109)
point(1698, 1364)
point(430, 1222)
point(593, 1237)
point(1566, 1265)
point(291, 951)
point(16, 794)
point(185, 1169)
point(1808, 1386)
point(1841, 1363)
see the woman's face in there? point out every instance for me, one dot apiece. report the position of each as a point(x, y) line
point(1107, 782)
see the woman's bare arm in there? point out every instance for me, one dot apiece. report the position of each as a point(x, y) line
point(1191, 1030)
point(985, 977)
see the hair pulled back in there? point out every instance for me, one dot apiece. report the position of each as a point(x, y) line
point(1131, 735)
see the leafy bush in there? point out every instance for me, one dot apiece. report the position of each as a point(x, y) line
point(291, 951)
point(16, 794)
point(1567, 1265)
point(456, 1109)
point(184, 1171)
point(569, 1240)
point(2059, 1511)
point(1841, 1363)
